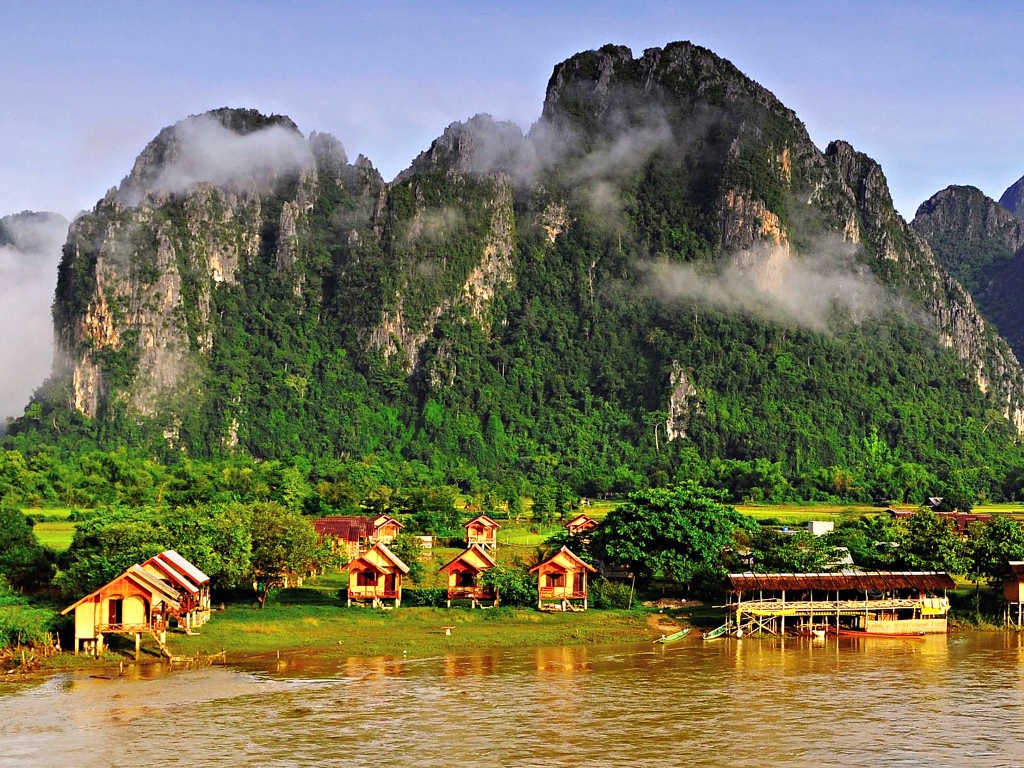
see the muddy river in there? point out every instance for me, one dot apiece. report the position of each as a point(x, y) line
point(956, 701)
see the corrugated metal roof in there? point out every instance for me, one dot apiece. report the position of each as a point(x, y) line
point(172, 574)
point(874, 581)
point(184, 566)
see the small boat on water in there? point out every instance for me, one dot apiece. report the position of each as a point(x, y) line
point(716, 632)
point(847, 632)
point(674, 636)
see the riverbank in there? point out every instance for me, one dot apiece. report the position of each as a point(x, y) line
point(247, 634)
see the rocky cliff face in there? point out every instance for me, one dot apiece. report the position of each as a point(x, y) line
point(773, 195)
point(981, 244)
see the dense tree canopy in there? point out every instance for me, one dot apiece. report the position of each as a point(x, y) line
point(684, 533)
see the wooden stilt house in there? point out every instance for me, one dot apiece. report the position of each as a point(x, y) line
point(135, 603)
point(1013, 593)
point(562, 582)
point(482, 531)
point(464, 572)
point(866, 602)
point(582, 523)
point(349, 535)
point(192, 585)
point(376, 576)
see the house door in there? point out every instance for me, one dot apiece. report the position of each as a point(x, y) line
point(115, 610)
point(389, 583)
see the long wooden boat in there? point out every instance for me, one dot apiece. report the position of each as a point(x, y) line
point(674, 636)
point(716, 632)
point(846, 632)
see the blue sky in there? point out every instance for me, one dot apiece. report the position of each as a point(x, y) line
point(931, 90)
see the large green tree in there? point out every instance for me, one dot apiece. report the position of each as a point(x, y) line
point(684, 533)
point(284, 545)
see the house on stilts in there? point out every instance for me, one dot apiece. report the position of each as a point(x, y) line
point(874, 602)
point(464, 572)
point(562, 582)
point(135, 603)
point(482, 531)
point(1013, 593)
point(375, 577)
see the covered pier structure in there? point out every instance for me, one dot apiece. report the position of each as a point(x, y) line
point(875, 602)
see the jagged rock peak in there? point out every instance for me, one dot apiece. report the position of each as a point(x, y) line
point(586, 84)
point(224, 147)
point(972, 214)
point(1013, 198)
point(480, 145)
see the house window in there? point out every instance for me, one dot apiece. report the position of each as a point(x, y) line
point(464, 579)
point(556, 579)
point(366, 579)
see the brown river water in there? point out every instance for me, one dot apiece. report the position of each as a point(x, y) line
point(937, 701)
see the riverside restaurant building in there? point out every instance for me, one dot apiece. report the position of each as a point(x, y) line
point(870, 602)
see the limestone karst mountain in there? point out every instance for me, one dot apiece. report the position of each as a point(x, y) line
point(663, 266)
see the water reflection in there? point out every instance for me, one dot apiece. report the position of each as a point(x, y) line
point(784, 702)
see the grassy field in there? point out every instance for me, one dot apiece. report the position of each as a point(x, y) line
point(55, 535)
point(52, 527)
point(312, 619)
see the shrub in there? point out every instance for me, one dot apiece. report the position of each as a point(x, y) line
point(610, 594)
point(515, 585)
point(435, 597)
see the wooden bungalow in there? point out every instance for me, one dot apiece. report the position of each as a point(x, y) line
point(1013, 593)
point(351, 534)
point(191, 584)
point(483, 531)
point(875, 602)
point(464, 573)
point(582, 523)
point(376, 576)
point(384, 528)
point(135, 603)
point(562, 582)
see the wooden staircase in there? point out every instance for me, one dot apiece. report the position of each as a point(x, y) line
point(164, 650)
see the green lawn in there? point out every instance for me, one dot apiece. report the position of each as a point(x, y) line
point(312, 619)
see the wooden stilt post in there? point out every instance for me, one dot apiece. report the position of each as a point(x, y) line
point(138, 643)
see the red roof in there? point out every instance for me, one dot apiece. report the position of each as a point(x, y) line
point(483, 520)
point(346, 527)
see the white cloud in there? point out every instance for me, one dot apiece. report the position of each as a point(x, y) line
point(28, 276)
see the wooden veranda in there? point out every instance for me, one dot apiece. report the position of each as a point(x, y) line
point(876, 602)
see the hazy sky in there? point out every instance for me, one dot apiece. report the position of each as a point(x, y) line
point(932, 90)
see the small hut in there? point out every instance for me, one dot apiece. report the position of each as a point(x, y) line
point(464, 573)
point(134, 603)
point(1013, 592)
point(483, 531)
point(582, 523)
point(562, 582)
point(191, 584)
point(376, 576)
point(351, 534)
point(384, 528)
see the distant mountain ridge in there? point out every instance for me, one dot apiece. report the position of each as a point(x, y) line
point(663, 269)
